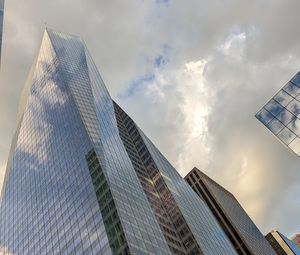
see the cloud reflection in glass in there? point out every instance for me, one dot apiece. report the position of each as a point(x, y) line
point(281, 114)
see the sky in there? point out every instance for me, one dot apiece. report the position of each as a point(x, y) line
point(192, 74)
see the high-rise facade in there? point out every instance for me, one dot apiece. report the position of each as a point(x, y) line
point(281, 244)
point(240, 229)
point(1, 25)
point(281, 114)
point(82, 178)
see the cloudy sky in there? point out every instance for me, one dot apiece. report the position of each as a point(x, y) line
point(192, 74)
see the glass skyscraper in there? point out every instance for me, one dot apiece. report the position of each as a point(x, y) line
point(281, 114)
point(240, 229)
point(82, 178)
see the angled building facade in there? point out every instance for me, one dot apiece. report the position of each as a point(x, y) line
point(281, 244)
point(281, 114)
point(240, 229)
point(82, 178)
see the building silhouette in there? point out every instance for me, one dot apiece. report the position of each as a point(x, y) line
point(82, 178)
point(240, 229)
point(281, 244)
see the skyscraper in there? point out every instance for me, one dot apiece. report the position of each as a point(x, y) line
point(281, 114)
point(83, 178)
point(240, 229)
point(1, 25)
point(281, 244)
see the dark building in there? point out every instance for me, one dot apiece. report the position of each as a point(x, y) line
point(82, 178)
point(240, 229)
point(281, 244)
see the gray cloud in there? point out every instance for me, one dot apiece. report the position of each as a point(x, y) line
point(224, 59)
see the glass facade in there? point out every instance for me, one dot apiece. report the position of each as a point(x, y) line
point(171, 221)
point(281, 114)
point(240, 229)
point(49, 205)
point(82, 178)
point(204, 227)
point(46, 197)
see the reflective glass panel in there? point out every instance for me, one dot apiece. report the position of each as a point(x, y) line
point(286, 135)
point(295, 145)
point(294, 107)
point(273, 107)
point(49, 203)
point(199, 218)
point(295, 126)
point(285, 117)
point(285, 107)
point(296, 79)
point(283, 98)
point(264, 116)
point(275, 126)
point(292, 89)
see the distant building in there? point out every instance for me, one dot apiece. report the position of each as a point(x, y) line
point(240, 229)
point(281, 244)
point(296, 239)
point(281, 114)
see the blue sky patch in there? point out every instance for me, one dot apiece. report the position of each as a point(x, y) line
point(162, 1)
point(137, 84)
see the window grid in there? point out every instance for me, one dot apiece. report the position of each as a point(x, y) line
point(281, 114)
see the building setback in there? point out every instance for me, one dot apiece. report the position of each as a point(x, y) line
point(281, 244)
point(240, 229)
point(82, 178)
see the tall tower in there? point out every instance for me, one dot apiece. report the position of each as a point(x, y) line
point(240, 229)
point(83, 178)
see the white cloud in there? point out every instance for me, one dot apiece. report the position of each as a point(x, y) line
point(224, 60)
point(234, 45)
point(205, 118)
point(178, 103)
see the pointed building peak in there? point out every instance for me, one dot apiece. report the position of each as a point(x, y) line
point(45, 26)
point(55, 33)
